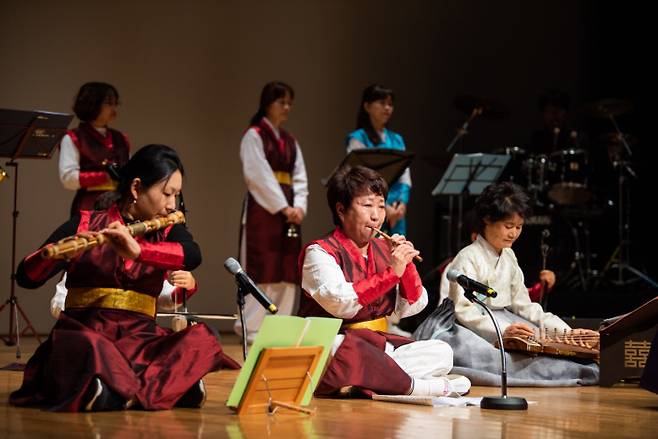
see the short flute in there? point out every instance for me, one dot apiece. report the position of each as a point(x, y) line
point(416, 258)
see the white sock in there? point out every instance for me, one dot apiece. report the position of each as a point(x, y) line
point(431, 387)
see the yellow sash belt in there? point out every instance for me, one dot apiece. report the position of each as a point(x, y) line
point(379, 324)
point(283, 177)
point(109, 186)
point(111, 298)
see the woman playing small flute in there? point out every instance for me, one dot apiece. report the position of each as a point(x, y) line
point(106, 352)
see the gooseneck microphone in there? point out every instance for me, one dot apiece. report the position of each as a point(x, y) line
point(502, 402)
point(248, 285)
point(469, 284)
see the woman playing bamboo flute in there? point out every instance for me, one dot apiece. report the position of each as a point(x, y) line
point(106, 352)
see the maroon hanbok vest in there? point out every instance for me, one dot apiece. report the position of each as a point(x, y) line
point(355, 268)
point(271, 254)
point(96, 152)
point(102, 267)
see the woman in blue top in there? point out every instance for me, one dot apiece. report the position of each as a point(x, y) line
point(374, 113)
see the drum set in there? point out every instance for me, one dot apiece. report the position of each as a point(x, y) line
point(566, 204)
point(556, 236)
point(562, 175)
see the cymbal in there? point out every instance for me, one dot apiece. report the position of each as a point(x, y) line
point(491, 109)
point(605, 108)
point(613, 138)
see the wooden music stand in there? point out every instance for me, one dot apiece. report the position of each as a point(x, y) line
point(280, 379)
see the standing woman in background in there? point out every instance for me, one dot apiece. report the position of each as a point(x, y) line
point(275, 175)
point(374, 113)
point(89, 152)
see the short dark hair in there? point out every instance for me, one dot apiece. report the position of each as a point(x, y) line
point(553, 97)
point(499, 201)
point(151, 164)
point(270, 93)
point(371, 93)
point(90, 98)
point(349, 182)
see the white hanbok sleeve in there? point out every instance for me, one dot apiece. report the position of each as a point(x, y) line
point(300, 181)
point(468, 314)
point(165, 299)
point(405, 309)
point(258, 174)
point(324, 280)
point(69, 164)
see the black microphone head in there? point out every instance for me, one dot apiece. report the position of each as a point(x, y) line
point(232, 266)
point(453, 275)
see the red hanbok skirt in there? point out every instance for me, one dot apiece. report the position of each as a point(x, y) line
point(128, 351)
point(361, 362)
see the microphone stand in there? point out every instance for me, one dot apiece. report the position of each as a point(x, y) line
point(240, 299)
point(502, 402)
point(621, 256)
point(461, 132)
point(545, 248)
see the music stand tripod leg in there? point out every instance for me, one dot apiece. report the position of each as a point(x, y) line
point(40, 135)
point(28, 323)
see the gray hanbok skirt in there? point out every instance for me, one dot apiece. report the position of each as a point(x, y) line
point(479, 360)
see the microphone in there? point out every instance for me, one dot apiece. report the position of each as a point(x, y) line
point(470, 284)
point(248, 285)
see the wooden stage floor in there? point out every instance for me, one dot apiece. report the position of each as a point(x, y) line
point(619, 412)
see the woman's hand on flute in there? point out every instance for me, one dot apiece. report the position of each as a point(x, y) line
point(401, 256)
point(122, 241)
point(395, 241)
point(398, 240)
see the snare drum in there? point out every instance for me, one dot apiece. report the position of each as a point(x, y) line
point(569, 177)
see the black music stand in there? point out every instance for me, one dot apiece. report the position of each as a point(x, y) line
point(467, 174)
point(390, 163)
point(25, 134)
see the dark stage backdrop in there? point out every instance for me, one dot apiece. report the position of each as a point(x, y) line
point(190, 73)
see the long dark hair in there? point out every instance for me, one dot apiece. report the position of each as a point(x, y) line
point(90, 98)
point(371, 94)
point(271, 92)
point(151, 164)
